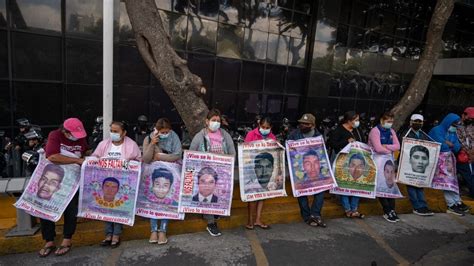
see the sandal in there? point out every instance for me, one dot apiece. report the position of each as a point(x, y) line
point(162, 235)
point(318, 221)
point(249, 227)
point(357, 215)
point(45, 251)
point(115, 244)
point(106, 242)
point(348, 214)
point(153, 238)
point(64, 249)
point(312, 222)
point(262, 226)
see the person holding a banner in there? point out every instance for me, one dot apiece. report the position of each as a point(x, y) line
point(213, 139)
point(418, 163)
point(263, 171)
point(118, 146)
point(465, 158)
point(344, 134)
point(162, 144)
point(445, 133)
point(384, 141)
point(307, 129)
point(66, 145)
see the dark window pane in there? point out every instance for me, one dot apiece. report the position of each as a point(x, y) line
point(226, 102)
point(296, 80)
point(285, 3)
point(84, 18)
point(5, 109)
point(402, 26)
point(124, 96)
point(249, 105)
point(372, 42)
point(386, 45)
point(204, 8)
point(84, 102)
point(363, 88)
point(252, 76)
point(326, 31)
point(272, 106)
point(203, 66)
point(415, 31)
point(362, 107)
point(230, 41)
point(359, 14)
point(256, 15)
point(378, 89)
point(346, 105)
point(389, 22)
point(300, 25)
point(356, 38)
point(232, 11)
point(3, 54)
point(36, 57)
point(346, 9)
point(202, 35)
point(125, 27)
point(161, 106)
point(255, 44)
point(323, 55)
point(275, 78)
point(319, 84)
point(227, 74)
point(3, 13)
point(278, 49)
point(342, 35)
point(33, 14)
point(132, 69)
point(329, 8)
point(335, 86)
point(176, 26)
point(291, 110)
point(280, 21)
point(393, 92)
point(304, 6)
point(297, 52)
point(349, 86)
point(39, 102)
point(84, 61)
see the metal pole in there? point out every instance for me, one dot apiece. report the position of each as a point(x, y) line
point(108, 61)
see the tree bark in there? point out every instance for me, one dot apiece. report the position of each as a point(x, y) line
point(419, 84)
point(183, 87)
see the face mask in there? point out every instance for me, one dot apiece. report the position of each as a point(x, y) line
point(388, 125)
point(214, 126)
point(305, 129)
point(452, 129)
point(164, 136)
point(72, 138)
point(115, 137)
point(356, 124)
point(264, 132)
point(416, 126)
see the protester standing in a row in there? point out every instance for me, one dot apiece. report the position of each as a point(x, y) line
point(465, 157)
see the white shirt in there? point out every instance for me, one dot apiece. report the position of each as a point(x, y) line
point(115, 151)
point(201, 198)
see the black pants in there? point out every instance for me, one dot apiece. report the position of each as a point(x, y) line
point(388, 204)
point(48, 228)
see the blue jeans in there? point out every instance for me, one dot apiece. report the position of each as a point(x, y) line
point(452, 198)
point(163, 225)
point(113, 229)
point(350, 203)
point(466, 170)
point(316, 207)
point(417, 197)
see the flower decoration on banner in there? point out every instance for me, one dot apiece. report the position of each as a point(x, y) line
point(123, 192)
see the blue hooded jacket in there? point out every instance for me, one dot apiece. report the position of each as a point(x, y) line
point(440, 133)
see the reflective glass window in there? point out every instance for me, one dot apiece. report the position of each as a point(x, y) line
point(162, 106)
point(275, 78)
point(402, 26)
point(227, 74)
point(326, 31)
point(123, 97)
point(176, 26)
point(252, 76)
point(319, 84)
point(323, 55)
point(248, 106)
point(255, 44)
point(3, 13)
point(33, 14)
point(256, 15)
point(296, 80)
point(280, 20)
point(36, 57)
point(84, 18)
point(27, 97)
point(180, 6)
point(272, 106)
point(125, 27)
point(232, 11)
point(359, 14)
point(285, 3)
point(329, 8)
point(202, 35)
point(378, 89)
point(300, 25)
point(132, 68)
point(204, 8)
point(230, 41)
point(203, 66)
point(342, 35)
point(291, 109)
point(226, 102)
point(3, 54)
point(278, 49)
point(84, 61)
point(303, 6)
point(297, 52)
point(363, 88)
point(346, 9)
point(349, 86)
point(356, 38)
point(5, 108)
point(346, 105)
point(84, 102)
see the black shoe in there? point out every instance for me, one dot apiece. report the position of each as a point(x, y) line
point(423, 212)
point(390, 218)
point(463, 207)
point(213, 229)
point(455, 210)
point(394, 214)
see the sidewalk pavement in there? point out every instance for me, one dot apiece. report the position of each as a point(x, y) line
point(442, 239)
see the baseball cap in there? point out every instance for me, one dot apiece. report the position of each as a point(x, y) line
point(416, 117)
point(76, 128)
point(469, 111)
point(307, 118)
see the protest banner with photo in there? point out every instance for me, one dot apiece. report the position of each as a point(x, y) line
point(310, 168)
point(261, 170)
point(158, 195)
point(355, 171)
point(207, 183)
point(50, 189)
point(386, 185)
point(445, 176)
point(418, 162)
point(109, 190)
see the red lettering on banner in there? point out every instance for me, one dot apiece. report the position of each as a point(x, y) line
point(188, 183)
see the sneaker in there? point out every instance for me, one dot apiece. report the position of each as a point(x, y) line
point(428, 212)
point(463, 207)
point(455, 210)
point(423, 212)
point(390, 218)
point(213, 229)
point(394, 214)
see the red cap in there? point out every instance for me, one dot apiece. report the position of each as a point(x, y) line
point(469, 112)
point(76, 128)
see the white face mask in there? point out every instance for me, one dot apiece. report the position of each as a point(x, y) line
point(388, 125)
point(356, 124)
point(115, 137)
point(264, 132)
point(214, 125)
point(71, 137)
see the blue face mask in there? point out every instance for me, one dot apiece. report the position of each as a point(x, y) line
point(452, 129)
point(164, 136)
point(115, 137)
point(387, 125)
point(264, 132)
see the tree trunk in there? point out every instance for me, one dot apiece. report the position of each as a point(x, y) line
point(419, 84)
point(183, 87)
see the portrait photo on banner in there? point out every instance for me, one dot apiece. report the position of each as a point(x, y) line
point(386, 177)
point(310, 169)
point(159, 191)
point(261, 170)
point(109, 190)
point(207, 183)
point(445, 176)
point(418, 162)
point(50, 189)
point(355, 171)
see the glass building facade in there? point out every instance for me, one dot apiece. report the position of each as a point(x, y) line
point(271, 57)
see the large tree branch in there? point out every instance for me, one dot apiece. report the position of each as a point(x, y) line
point(419, 84)
point(183, 87)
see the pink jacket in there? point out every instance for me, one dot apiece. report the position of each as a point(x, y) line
point(130, 150)
point(374, 142)
point(255, 135)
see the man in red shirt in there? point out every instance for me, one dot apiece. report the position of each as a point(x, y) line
point(65, 145)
